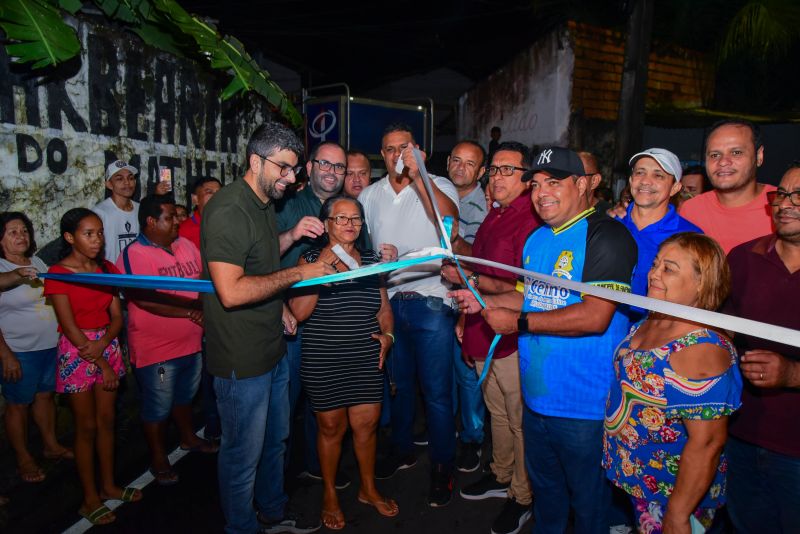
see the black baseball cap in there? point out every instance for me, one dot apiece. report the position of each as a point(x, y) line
point(556, 161)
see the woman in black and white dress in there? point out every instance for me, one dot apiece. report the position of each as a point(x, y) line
point(346, 337)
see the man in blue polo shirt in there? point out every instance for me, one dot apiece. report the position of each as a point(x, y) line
point(566, 342)
point(650, 218)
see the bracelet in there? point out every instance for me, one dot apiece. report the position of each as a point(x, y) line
point(390, 335)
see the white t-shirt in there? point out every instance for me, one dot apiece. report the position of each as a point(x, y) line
point(400, 219)
point(27, 321)
point(120, 227)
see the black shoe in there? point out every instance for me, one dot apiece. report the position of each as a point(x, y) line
point(342, 480)
point(421, 439)
point(441, 486)
point(485, 488)
point(290, 522)
point(511, 519)
point(387, 467)
point(469, 457)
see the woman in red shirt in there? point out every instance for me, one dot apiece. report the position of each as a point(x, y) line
point(89, 358)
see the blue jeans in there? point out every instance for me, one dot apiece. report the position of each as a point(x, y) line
point(294, 354)
point(763, 489)
point(167, 384)
point(423, 349)
point(563, 460)
point(470, 399)
point(38, 376)
point(254, 413)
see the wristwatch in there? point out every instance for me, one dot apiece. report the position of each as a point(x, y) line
point(522, 323)
point(475, 279)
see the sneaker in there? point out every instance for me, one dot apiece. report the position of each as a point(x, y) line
point(441, 486)
point(421, 439)
point(342, 480)
point(469, 457)
point(620, 529)
point(294, 523)
point(387, 467)
point(485, 488)
point(511, 519)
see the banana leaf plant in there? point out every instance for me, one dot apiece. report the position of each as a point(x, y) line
point(36, 33)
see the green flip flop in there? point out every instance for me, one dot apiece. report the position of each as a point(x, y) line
point(95, 518)
point(131, 495)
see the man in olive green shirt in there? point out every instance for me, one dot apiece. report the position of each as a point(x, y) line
point(244, 332)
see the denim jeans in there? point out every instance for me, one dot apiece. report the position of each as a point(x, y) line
point(563, 459)
point(254, 413)
point(470, 399)
point(423, 349)
point(167, 384)
point(294, 354)
point(763, 489)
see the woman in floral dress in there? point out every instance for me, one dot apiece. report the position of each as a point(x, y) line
point(676, 384)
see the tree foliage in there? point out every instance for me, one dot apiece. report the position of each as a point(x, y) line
point(37, 34)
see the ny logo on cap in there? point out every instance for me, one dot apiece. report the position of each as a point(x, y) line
point(119, 163)
point(545, 156)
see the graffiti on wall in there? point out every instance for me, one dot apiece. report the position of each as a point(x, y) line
point(122, 100)
point(528, 98)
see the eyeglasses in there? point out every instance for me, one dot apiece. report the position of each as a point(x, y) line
point(505, 170)
point(325, 165)
point(285, 169)
point(775, 198)
point(342, 220)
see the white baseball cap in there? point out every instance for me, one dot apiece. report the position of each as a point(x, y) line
point(666, 160)
point(117, 166)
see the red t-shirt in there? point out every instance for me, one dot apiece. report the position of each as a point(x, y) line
point(501, 237)
point(190, 229)
point(89, 302)
point(730, 226)
point(153, 338)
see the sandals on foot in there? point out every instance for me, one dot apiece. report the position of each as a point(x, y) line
point(65, 454)
point(168, 477)
point(31, 473)
point(100, 516)
point(333, 519)
point(128, 495)
point(205, 446)
point(386, 507)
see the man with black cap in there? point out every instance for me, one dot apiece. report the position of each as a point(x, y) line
point(566, 341)
point(650, 218)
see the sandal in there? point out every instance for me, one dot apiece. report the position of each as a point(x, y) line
point(168, 477)
point(205, 446)
point(65, 454)
point(333, 519)
point(98, 515)
point(128, 495)
point(31, 473)
point(385, 506)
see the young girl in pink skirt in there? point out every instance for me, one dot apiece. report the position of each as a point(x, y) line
point(89, 358)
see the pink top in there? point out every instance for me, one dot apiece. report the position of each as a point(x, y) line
point(153, 338)
point(730, 226)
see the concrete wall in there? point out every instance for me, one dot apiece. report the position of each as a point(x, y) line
point(121, 100)
point(528, 98)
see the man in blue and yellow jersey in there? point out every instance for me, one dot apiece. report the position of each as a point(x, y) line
point(566, 342)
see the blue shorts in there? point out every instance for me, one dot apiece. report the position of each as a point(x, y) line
point(167, 384)
point(38, 376)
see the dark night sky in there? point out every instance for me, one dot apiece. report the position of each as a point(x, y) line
point(366, 44)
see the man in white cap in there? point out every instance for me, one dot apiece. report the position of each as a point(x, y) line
point(650, 218)
point(119, 212)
